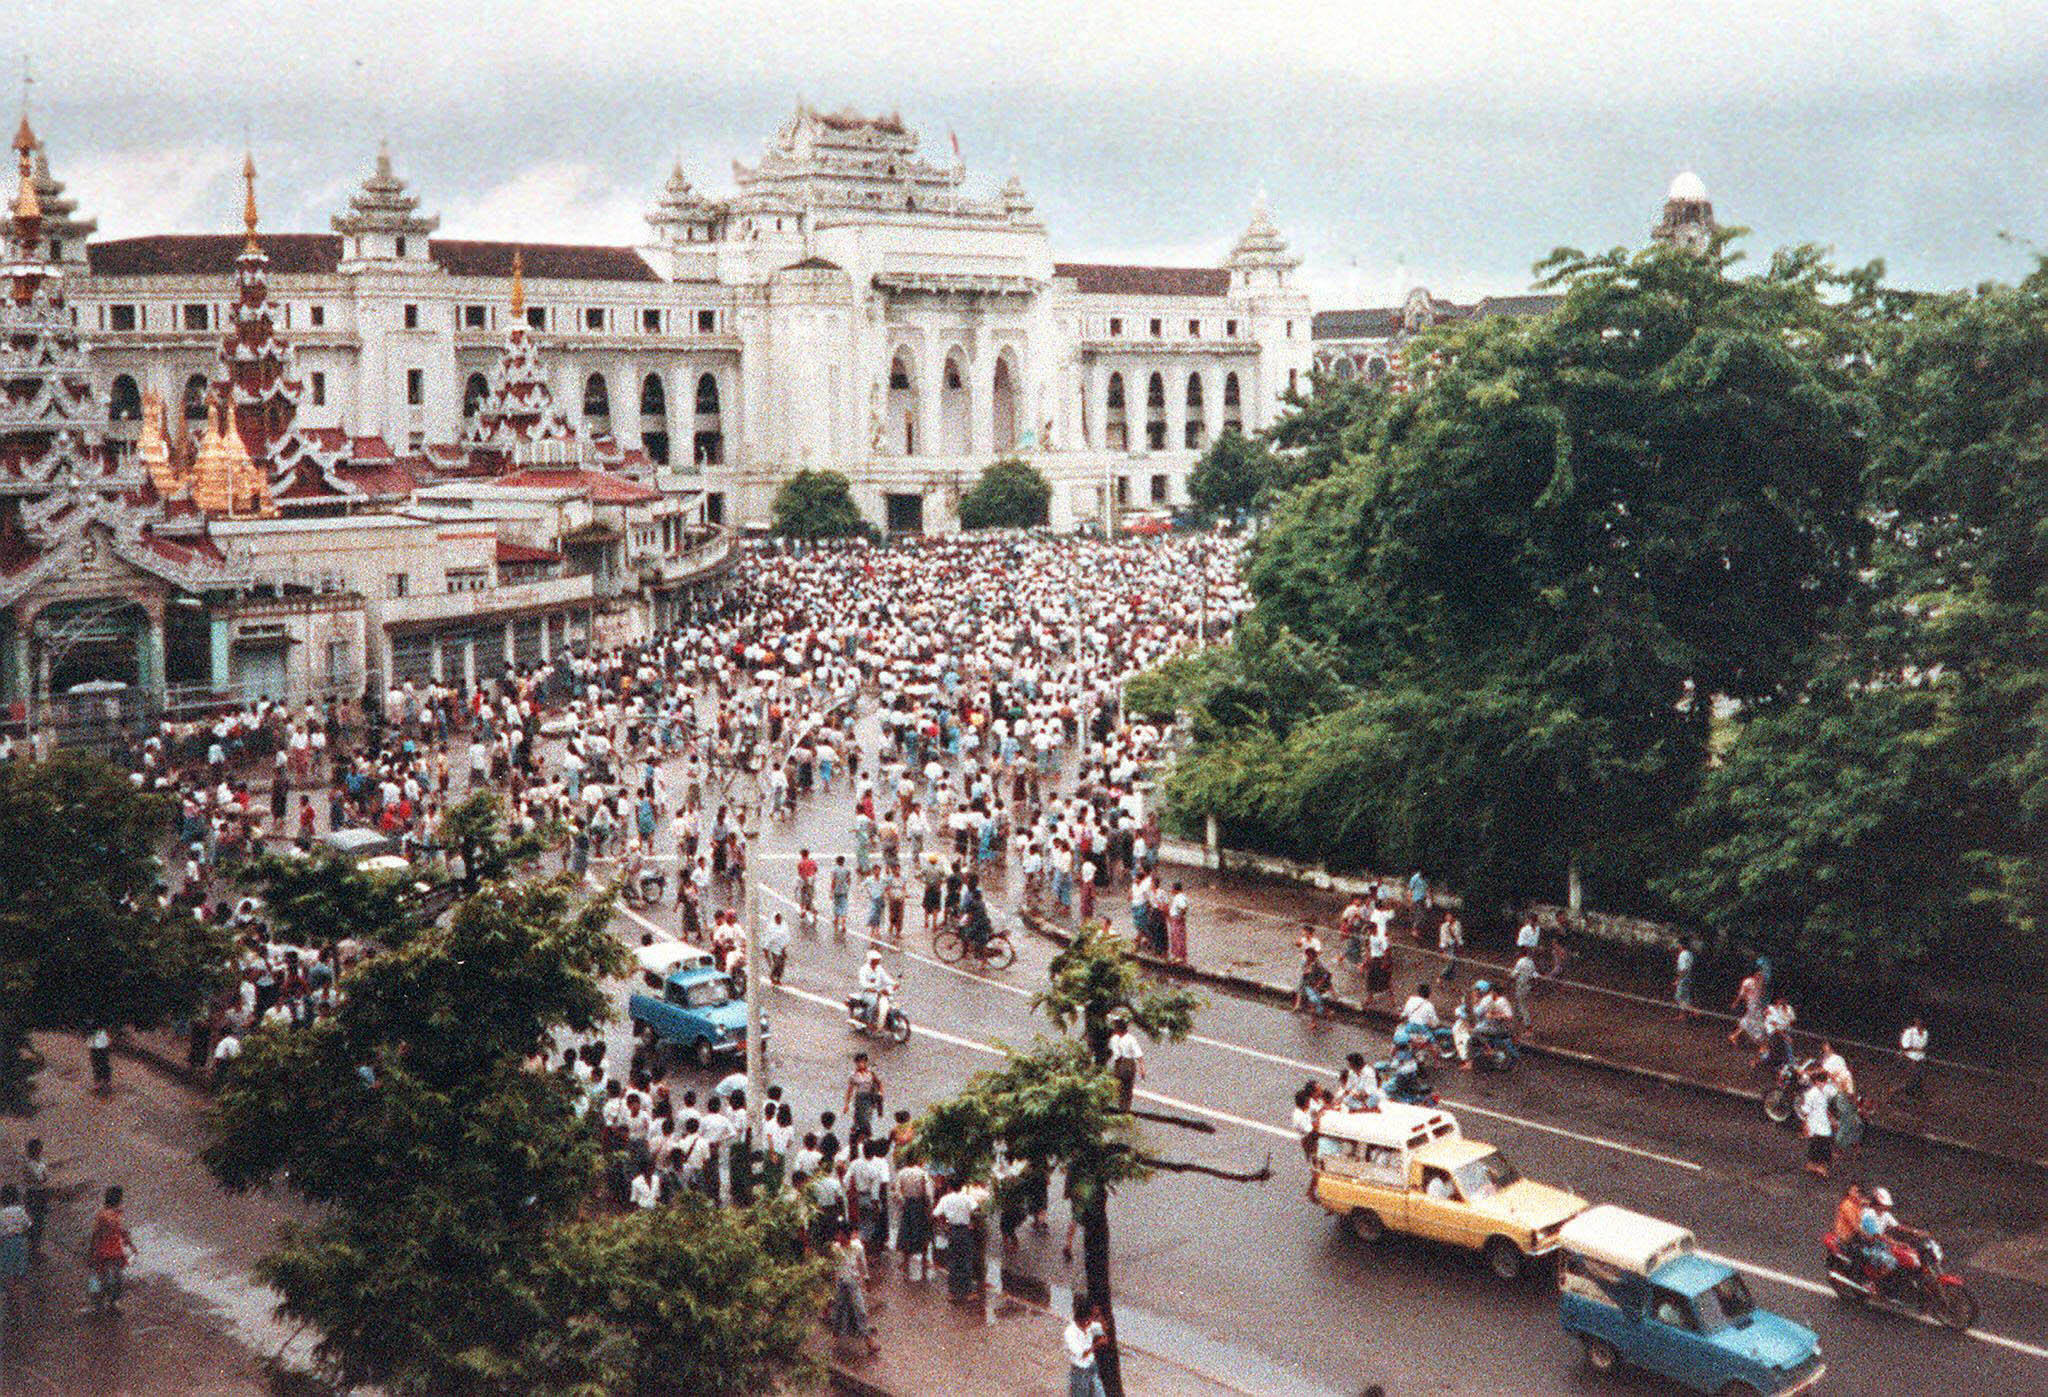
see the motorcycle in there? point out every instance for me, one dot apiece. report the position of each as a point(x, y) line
point(1408, 1083)
point(645, 888)
point(858, 1016)
point(1495, 1052)
point(1781, 1097)
point(1919, 1282)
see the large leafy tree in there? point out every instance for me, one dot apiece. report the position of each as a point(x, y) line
point(1528, 566)
point(83, 941)
point(1055, 1104)
point(1232, 476)
point(1010, 494)
point(1900, 813)
point(448, 1256)
point(814, 504)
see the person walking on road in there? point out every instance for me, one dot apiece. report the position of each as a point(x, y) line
point(1524, 976)
point(14, 1229)
point(1681, 980)
point(863, 1097)
point(1126, 1059)
point(100, 1049)
point(849, 1312)
point(1450, 940)
point(107, 1251)
point(1749, 1004)
point(1177, 925)
point(1913, 1048)
point(1816, 1121)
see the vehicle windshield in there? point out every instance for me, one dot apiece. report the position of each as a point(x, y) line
point(708, 994)
point(1486, 1176)
point(1726, 1306)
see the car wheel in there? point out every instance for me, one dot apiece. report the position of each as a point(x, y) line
point(1366, 1225)
point(1504, 1258)
point(1600, 1355)
point(700, 1052)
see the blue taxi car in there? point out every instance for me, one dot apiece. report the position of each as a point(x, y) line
point(1633, 1291)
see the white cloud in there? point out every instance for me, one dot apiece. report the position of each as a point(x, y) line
point(556, 201)
point(175, 189)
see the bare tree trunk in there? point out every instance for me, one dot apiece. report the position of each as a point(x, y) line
point(1095, 1267)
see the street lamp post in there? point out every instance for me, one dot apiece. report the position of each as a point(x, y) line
point(757, 978)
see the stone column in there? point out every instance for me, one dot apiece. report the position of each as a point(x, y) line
point(154, 680)
point(981, 401)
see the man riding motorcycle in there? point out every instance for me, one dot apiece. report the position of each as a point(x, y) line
point(876, 985)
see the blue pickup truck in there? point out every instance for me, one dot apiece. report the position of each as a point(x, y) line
point(693, 1012)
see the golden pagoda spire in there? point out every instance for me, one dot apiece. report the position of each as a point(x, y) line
point(27, 203)
point(518, 285)
point(249, 201)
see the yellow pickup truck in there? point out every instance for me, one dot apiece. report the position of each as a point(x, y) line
point(1410, 1169)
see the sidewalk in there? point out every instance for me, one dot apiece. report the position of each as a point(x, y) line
point(930, 1344)
point(192, 1321)
point(1241, 935)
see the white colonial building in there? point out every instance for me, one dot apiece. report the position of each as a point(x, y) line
point(850, 305)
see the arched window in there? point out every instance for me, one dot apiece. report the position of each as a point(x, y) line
point(124, 400)
point(1345, 372)
point(1233, 407)
point(899, 376)
point(597, 399)
point(653, 398)
point(1116, 429)
point(195, 398)
point(1003, 407)
point(952, 373)
point(1197, 429)
point(1375, 370)
point(899, 424)
point(955, 407)
point(1155, 413)
point(708, 439)
point(475, 393)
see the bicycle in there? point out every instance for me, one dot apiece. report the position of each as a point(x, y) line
point(951, 947)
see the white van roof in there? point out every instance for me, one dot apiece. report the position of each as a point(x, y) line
point(663, 958)
point(1631, 1241)
point(1394, 1124)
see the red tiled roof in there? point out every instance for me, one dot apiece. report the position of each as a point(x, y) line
point(325, 438)
point(1109, 279)
point(602, 486)
point(542, 261)
point(379, 478)
point(210, 254)
point(371, 449)
point(522, 553)
point(306, 484)
point(214, 254)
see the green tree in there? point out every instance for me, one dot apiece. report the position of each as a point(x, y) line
point(815, 504)
point(449, 1254)
point(1010, 494)
point(1231, 476)
point(1899, 814)
point(1537, 552)
point(322, 898)
point(475, 831)
point(83, 941)
point(1054, 1106)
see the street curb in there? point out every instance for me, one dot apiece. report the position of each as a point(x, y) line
point(1280, 994)
point(844, 1379)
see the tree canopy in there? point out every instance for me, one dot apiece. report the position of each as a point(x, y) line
point(1232, 477)
point(83, 940)
point(1010, 494)
point(814, 504)
point(451, 1254)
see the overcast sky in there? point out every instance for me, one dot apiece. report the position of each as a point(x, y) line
point(1445, 144)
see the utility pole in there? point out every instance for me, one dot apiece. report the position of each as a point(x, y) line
point(757, 976)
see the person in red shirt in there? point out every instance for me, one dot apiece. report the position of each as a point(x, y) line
point(108, 1248)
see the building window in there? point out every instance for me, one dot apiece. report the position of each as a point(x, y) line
point(56, 250)
point(412, 313)
point(1290, 329)
point(316, 315)
point(1116, 327)
point(124, 400)
point(593, 318)
point(537, 317)
point(650, 322)
point(198, 317)
point(475, 393)
point(337, 662)
point(473, 318)
point(319, 383)
point(1158, 328)
point(415, 387)
point(1159, 489)
point(396, 584)
point(468, 579)
point(1291, 378)
point(1194, 329)
point(195, 398)
point(401, 245)
point(120, 317)
point(1230, 329)
point(707, 322)
point(1123, 492)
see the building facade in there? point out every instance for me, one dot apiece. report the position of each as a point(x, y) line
point(850, 305)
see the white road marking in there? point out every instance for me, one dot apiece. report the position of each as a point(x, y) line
point(1763, 1272)
point(1599, 1140)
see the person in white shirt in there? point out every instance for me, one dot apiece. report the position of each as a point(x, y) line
point(1126, 1059)
point(645, 1190)
point(1420, 1010)
point(1084, 1340)
point(876, 985)
point(1913, 1047)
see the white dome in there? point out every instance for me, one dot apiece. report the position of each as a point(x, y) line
point(1687, 189)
